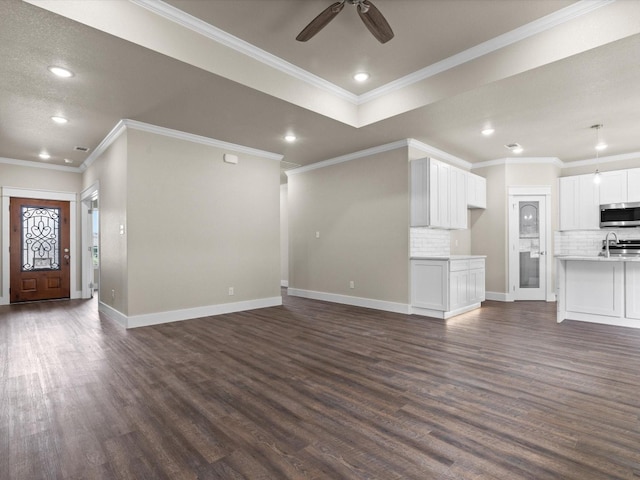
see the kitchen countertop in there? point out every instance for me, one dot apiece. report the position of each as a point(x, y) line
point(595, 258)
point(449, 257)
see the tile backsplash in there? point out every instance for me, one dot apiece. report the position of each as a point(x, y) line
point(426, 242)
point(588, 242)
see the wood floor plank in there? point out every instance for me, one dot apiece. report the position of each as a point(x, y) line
point(313, 390)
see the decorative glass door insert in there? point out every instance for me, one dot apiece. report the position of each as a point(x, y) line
point(529, 244)
point(40, 238)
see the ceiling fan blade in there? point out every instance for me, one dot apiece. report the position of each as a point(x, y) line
point(320, 21)
point(374, 21)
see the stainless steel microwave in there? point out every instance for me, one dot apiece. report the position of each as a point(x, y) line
point(620, 215)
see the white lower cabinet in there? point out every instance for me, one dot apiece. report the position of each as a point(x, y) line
point(443, 288)
point(633, 290)
point(599, 290)
point(595, 288)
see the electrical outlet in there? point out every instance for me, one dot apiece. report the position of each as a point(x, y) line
point(352, 284)
point(317, 234)
point(113, 294)
point(231, 291)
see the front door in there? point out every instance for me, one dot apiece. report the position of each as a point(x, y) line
point(39, 249)
point(528, 247)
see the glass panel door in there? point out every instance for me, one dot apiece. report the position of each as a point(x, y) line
point(528, 264)
point(529, 244)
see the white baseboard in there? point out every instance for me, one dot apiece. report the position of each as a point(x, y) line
point(77, 294)
point(348, 300)
point(113, 314)
point(587, 317)
point(148, 319)
point(4, 301)
point(427, 312)
point(284, 283)
point(505, 297)
point(498, 297)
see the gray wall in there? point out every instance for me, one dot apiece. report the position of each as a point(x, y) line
point(361, 209)
point(110, 169)
point(197, 225)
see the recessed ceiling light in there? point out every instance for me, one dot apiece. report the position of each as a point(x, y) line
point(514, 147)
point(44, 155)
point(601, 146)
point(67, 160)
point(290, 137)
point(488, 131)
point(361, 77)
point(59, 120)
point(61, 72)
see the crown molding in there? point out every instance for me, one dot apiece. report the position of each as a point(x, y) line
point(201, 27)
point(406, 143)
point(520, 161)
point(351, 156)
point(439, 154)
point(597, 161)
point(32, 164)
point(525, 31)
point(124, 124)
point(111, 137)
point(210, 142)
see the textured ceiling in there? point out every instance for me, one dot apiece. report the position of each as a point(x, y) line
point(543, 92)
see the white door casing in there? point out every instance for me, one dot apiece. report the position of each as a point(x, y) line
point(529, 258)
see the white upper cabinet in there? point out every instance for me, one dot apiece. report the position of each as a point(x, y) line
point(633, 185)
point(613, 187)
point(620, 186)
point(476, 191)
point(438, 195)
point(579, 203)
point(458, 199)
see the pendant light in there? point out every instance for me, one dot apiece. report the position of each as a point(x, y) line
point(599, 146)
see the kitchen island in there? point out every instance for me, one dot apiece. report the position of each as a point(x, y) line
point(599, 289)
point(444, 286)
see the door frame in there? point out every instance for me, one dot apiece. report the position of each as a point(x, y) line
point(513, 259)
point(7, 193)
point(87, 195)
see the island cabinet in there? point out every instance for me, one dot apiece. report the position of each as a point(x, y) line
point(600, 290)
point(442, 287)
point(632, 293)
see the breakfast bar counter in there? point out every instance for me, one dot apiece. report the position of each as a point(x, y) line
point(599, 289)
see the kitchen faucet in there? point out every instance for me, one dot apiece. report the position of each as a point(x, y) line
point(606, 241)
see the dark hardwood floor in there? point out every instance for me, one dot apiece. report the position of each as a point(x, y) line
point(312, 390)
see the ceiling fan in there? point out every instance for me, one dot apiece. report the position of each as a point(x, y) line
point(369, 14)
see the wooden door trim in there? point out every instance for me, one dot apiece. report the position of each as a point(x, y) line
point(71, 197)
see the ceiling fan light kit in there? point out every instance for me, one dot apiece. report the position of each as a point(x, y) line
point(369, 14)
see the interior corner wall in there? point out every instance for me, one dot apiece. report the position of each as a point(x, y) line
point(110, 170)
point(489, 229)
point(18, 176)
point(284, 236)
point(198, 226)
point(350, 222)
